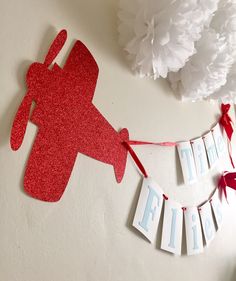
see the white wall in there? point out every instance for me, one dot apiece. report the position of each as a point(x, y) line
point(88, 234)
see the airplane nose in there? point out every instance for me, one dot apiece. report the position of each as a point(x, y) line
point(119, 166)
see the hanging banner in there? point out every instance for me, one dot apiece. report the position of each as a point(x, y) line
point(193, 231)
point(149, 208)
point(200, 157)
point(172, 227)
point(187, 162)
point(210, 149)
point(208, 226)
point(195, 155)
point(198, 221)
point(204, 153)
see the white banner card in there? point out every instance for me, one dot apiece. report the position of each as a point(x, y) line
point(200, 157)
point(171, 240)
point(187, 162)
point(217, 208)
point(210, 149)
point(193, 231)
point(219, 140)
point(149, 208)
point(208, 225)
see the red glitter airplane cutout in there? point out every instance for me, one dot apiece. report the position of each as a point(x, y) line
point(67, 122)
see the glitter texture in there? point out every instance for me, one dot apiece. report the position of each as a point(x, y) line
point(67, 122)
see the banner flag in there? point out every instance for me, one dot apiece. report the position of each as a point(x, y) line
point(193, 231)
point(149, 208)
point(200, 157)
point(208, 225)
point(172, 227)
point(220, 143)
point(217, 208)
point(210, 149)
point(187, 162)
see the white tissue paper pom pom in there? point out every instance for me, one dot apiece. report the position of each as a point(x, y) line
point(226, 24)
point(207, 71)
point(227, 93)
point(159, 35)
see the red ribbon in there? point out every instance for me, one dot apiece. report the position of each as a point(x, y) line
point(166, 143)
point(227, 179)
point(136, 159)
point(226, 123)
point(128, 144)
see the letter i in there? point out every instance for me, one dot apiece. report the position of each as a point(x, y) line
point(173, 227)
point(194, 228)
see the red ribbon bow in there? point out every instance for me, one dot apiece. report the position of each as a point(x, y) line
point(227, 179)
point(226, 121)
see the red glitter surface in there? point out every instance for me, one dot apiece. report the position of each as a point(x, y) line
point(67, 122)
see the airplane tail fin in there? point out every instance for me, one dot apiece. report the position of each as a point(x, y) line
point(119, 166)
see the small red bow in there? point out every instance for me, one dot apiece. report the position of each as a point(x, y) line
point(227, 179)
point(226, 121)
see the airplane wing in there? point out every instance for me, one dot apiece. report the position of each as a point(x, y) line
point(82, 63)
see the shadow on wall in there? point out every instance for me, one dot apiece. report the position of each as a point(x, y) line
point(233, 276)
point(230, 272)
point(8, 115)
point(98, 20)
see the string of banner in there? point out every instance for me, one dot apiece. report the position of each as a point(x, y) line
point(194, 158)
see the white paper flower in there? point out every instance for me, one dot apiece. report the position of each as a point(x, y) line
point(159, 35)
point(226, 24)
point(207, 71)
point(227, 93)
